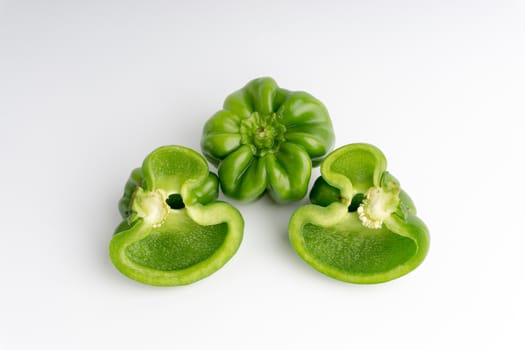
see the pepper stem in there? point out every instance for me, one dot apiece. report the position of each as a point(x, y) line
point(263, 132)
point(378, 205)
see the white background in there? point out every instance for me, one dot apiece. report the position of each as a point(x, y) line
point(89, 88)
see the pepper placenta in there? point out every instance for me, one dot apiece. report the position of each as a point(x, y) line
point(174, 231)
point(362, 227)
point(267, 139)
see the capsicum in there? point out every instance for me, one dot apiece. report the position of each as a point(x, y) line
point(266, 139)
point(174, 231)
point(361, 226)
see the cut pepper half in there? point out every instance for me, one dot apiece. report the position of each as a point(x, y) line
point(361, 227)
point(174, 231)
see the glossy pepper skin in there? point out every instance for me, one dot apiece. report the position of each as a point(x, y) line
point(266, 139)
point(174, 231)
point(361, 227)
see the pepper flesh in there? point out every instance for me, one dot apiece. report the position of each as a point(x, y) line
point(266, 139)
point(174, 231)
point(361, 227)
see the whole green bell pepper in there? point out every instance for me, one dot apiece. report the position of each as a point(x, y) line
point(267, 139)
point(361, 227)
point(174, 230)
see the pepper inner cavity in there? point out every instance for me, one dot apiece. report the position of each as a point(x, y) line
point(357, 199)
point(175, 201)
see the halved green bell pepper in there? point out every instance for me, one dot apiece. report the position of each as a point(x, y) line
point(267, 139)
point(174, 231)
point(361, 227)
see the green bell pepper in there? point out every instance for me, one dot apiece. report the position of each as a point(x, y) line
point(361, 227)
point(174, 231)
point(267, 139)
